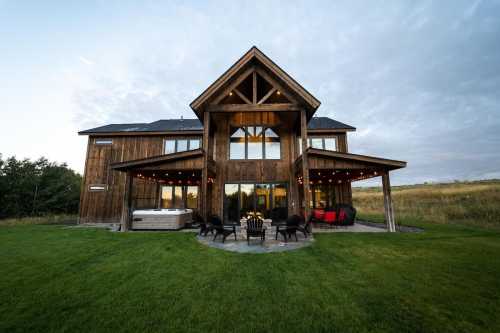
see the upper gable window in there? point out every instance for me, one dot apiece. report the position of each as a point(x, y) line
point(179, 145)
point(254, 143)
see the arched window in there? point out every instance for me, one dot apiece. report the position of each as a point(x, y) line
point(254, 143)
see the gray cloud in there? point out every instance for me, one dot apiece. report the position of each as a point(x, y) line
point(419, 80)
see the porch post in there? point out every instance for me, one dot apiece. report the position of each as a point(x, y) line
point(127, 200)
point(388, 207)
point(305, 165)
point(204, 173)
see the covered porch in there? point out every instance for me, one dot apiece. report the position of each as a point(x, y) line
point(178, 178)
point(331, 173)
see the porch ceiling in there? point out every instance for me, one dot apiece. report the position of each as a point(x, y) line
point(332, 166)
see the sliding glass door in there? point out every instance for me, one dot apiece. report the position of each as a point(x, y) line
point(263, 200)
point(174, 196)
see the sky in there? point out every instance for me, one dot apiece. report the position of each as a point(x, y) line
point(420, 80)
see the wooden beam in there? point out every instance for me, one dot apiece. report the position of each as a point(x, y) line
point(263, 99)
point(388, 206)
point(126, 203)
point(243, 97)
point(254, 87)
point(236, 83)
point(305, 166)
point(282, 107)
point(204, 173)
point(276, 85)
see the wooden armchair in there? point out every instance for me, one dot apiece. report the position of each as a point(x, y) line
point(255, 228)
point(289, 229)
point(221, 229)
point(306, 227)
point(205, 228)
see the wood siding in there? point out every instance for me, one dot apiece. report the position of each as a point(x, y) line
point(106, 206)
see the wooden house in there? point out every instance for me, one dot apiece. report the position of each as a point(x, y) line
point(254, 145)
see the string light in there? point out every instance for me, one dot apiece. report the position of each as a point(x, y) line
point(278, 92)
point(230, 93)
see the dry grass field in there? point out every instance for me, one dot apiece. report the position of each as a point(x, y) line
point(468, 203)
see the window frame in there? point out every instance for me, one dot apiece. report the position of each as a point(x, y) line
point(323, 142)
point(183, 197)
point(97, 187)
point(103, 142)
point(254, 199)
point(176, 146)
point(263, 144)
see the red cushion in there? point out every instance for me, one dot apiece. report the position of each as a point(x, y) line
point(318, 214)
point(330, 217)
point(342, 215)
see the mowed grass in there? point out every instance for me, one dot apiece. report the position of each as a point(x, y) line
point(61, 279)
point(472, 203)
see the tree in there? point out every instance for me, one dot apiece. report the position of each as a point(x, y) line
point(37, 188)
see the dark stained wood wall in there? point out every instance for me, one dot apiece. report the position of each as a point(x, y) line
point(106, 206)
point(259, 171)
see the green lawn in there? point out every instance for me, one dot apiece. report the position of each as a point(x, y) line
point(55, 278)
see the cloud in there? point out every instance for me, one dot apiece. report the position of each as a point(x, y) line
point(419, 80)
point(86, 61)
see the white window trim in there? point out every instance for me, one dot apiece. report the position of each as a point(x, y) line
point(103, 142)
point(98, 187)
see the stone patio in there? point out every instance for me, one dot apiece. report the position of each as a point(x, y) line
point(271, 245)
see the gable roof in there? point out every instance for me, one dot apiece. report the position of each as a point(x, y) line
point(164, 125)
point(194, 125)
point(253, 54)
point(325, 123)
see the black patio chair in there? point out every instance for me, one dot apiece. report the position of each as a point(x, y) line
point(306, 227)
point(255, 228)
point(221, 229)
point(205, 228)
point(289, 229)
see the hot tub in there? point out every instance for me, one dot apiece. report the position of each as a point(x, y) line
point(161, 219)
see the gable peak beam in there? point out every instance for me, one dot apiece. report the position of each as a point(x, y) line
point(233, 85)
point(242, 96)
point(252, 57)
point(266, 96)
point(254, 86)
point(276, 85)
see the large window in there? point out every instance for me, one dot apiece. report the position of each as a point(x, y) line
point(179, 197)
point(178, 145)
point(254, 143)
point(264, 200)
point(326, 143)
